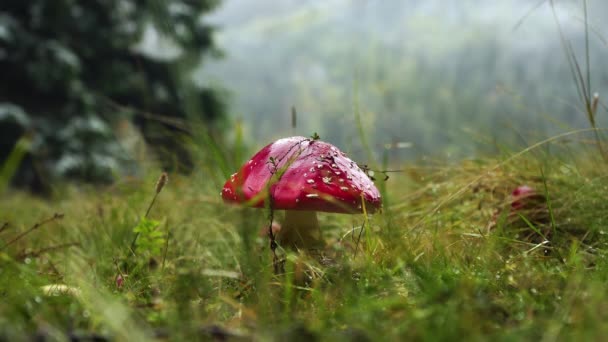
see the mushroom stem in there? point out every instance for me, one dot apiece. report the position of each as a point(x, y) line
point(300, 230)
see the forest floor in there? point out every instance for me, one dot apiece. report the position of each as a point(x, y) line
point(448, 258)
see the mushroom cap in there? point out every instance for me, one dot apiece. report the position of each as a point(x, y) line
point(525, 197)
point(300, 173)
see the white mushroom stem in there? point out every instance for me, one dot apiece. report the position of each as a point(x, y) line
point(300, 230)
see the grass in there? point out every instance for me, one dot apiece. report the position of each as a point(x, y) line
point(444, 261)
point(447, 259)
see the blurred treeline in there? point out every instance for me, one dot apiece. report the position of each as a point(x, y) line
point(454, 78)
point(84, 83)
point(78, 86)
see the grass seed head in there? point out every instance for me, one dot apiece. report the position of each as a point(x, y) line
point(162, 181)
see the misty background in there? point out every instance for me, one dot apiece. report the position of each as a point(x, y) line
point(444, 79)
point(93, 91)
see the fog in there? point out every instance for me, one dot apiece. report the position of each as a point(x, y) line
point(453, 78)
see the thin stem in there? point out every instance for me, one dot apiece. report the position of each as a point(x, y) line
point(132, 247)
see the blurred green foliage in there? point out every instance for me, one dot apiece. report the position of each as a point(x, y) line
point(150, 238)
point(71, 72)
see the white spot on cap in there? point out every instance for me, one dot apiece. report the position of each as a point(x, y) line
point(344, 188)
point(312, 195)
point(310, 181)
point(327, 180)
point(341, 180)
point(312, 169)
point(334, 166)
point(337, 173)
point(320, 166)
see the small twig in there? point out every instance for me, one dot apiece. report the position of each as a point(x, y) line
point(294, 118)
point(4, 226)
point(37, 253)
point(56, 216)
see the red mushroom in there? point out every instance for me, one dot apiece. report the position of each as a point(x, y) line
point(519, 196)
point(525, 198)
point(302, 176)
point(529, 203)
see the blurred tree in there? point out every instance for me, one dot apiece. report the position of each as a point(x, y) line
point(69, 70)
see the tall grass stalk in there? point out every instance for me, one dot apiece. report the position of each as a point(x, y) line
point(582, 79)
